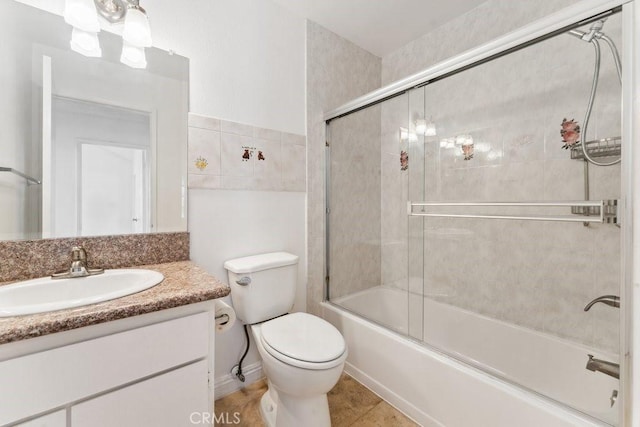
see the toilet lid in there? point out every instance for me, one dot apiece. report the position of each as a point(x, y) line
point(304, 337)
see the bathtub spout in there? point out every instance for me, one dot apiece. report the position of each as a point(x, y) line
point(609, 368)
point(611, 300)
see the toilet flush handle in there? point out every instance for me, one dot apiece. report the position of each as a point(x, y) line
point(244, 281)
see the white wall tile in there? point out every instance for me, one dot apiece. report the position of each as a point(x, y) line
point(268, 164)
point(204, 144)
point(234, 148)
point(283, 167)
point(293, 175)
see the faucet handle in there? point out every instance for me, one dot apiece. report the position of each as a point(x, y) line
point(611, 300)
point(78, 253)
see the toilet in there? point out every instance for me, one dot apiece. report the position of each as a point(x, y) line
point(302, 355)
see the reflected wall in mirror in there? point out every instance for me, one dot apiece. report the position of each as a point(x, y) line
point(104, 143)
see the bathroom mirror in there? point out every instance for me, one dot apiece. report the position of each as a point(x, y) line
point(88, 146)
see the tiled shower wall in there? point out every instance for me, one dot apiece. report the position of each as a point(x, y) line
point(355, 198)
point(536, 274)
point(234, 156)
point(489, 20)
point(337, 71)
point(486, 22)
point(578, 263)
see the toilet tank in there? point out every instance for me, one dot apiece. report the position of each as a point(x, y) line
point(262, 286)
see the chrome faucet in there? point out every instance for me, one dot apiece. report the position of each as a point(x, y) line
point(79, 266)
point(611, 300)
point(609, 368)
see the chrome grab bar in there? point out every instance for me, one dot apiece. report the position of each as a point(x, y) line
point(603, 215)
point(29, 179)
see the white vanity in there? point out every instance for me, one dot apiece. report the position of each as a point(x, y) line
point(151, 369)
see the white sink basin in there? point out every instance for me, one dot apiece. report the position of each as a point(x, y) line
point(45, 294)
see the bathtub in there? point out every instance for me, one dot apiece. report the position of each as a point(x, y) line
point(436, 389)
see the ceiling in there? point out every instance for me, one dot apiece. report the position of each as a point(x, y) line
point(379, 26)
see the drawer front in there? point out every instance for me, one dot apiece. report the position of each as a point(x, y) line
point(42, 381)
point(169, 400)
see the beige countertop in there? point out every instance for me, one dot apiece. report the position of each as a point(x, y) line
point(184, 283)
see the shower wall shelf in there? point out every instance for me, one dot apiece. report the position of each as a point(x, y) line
point(607, 147)
point(610, 208)
point(30, 179)
point(596, 211)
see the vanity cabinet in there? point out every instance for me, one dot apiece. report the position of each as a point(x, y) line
point(164, 400)
point(152, 375)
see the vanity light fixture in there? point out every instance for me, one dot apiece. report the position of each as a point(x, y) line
point(85, 43)
point(82, 16)
point(133, 56)
point(136, 26)
point(136, 34)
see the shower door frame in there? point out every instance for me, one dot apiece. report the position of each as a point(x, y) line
point(559, 22)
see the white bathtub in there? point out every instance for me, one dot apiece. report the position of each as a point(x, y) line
point(437, 390)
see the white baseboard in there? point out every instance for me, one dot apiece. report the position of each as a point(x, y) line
point(411, 411)
point(228, 384)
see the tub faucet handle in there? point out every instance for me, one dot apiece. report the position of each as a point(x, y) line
point(612, 300)
point(614, 397)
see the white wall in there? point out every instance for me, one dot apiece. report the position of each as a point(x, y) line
point(247, 64)
point(228, 224)
point(16, 135)
point(246, 57)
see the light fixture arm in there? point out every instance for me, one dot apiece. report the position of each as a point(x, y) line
point(114, 11)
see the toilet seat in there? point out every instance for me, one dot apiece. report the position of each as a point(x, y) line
point(303, 340)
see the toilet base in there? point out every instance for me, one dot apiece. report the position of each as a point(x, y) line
point(294, 411)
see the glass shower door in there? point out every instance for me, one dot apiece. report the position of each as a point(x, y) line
point(508, 295)
point(367, 222)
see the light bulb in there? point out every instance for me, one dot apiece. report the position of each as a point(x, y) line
point(136, 28)
point(85, 43)
point(133, 56)
point(405, 135)
point(82, 14)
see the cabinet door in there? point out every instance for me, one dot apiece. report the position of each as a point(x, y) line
point(56, 419)
point(168, 400)
point(30, 386)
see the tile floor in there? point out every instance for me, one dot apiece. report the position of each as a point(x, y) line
point(351, 404)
